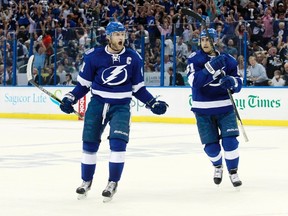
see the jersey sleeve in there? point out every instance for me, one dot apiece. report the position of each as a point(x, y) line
point(138, 87)
point(196, 77)
point(87, 70)
point(232, 69)
point(85, 77)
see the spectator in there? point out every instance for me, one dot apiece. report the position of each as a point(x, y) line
point(50, 79)
point(195, 40)
point(157, 64)
point(134, 42)
point(151, 28)
point(282, 35)
point(231, 49)
point(61, 73)
point(220, 34)
point(272, 62)
point(69, 81)
point(251, 12)
point(181, 54)
point(114, 7)
point(267, 21)
point(115, 13)
point(261, 56)
point(22, 33)
point(279, 7)
point(278, 18)
point(257, 30)
point(181, 48)
point(40, 56)
point(9, 75)
point(2, 76)
point(148, 67)
point(187, 34)
point(255, 47)
point(179, 81)
point(257, 73)
point(285, 76)
point(277, 79)
point(165, 28)
point(37, 77)
point(181, 25)
point(82, 38)
point(129, 19)
point(167, 62)
point(48, 43)
point(241, 67)
point(142, 32)
point(101, 37)
point(229, 29)
point(140, 18)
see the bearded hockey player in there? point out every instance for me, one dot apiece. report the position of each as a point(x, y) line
point(113, 74)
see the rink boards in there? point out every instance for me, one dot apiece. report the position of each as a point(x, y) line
point(256, 106)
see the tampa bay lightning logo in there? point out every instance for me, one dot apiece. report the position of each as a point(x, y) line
point(114, 75)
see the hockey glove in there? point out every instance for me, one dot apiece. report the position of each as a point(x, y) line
point(229, 82)
point(157, 107)
point(67, 103)
point(215, 64)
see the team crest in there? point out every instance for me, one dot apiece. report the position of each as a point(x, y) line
point(114, 75)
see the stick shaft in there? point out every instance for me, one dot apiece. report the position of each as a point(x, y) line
point(31, 80)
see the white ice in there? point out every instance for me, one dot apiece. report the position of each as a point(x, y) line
point(166, 172)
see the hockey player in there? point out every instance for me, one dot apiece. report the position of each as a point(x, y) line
point(211, 75)
point(113, 73)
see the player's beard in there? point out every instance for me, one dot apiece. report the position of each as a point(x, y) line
point(116, 46)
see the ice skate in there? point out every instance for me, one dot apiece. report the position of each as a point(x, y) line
point(109, 191)
point(83, 189)
point(235, 178)
point(218, 173)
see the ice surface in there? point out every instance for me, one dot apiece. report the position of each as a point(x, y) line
point(166, 172)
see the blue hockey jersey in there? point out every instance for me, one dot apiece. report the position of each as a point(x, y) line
point(208, 97)
point(113, 78)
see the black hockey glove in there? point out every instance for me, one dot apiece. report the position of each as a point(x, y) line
point(215, 64)
point(228, 82)
point(157, 107)
point(67, 103)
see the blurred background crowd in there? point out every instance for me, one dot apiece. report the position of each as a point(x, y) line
point(58, 32)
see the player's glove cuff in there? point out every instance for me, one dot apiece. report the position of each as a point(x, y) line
point(157, 107)
point(70, 97)
point(209, 68)
point(67, 103)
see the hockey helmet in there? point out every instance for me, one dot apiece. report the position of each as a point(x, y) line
point(211, 33)
point(114, 27)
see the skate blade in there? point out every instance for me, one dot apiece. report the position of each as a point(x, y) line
point(237, 188)
point(107, 199)
point(82, 196)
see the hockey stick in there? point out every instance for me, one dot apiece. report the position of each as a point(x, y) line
point(191, 13)
point(30, 79)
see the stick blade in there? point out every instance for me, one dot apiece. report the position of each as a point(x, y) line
point(29, 69)
point(191, 13)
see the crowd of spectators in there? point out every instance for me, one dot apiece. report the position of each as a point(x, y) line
point(77, 25)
